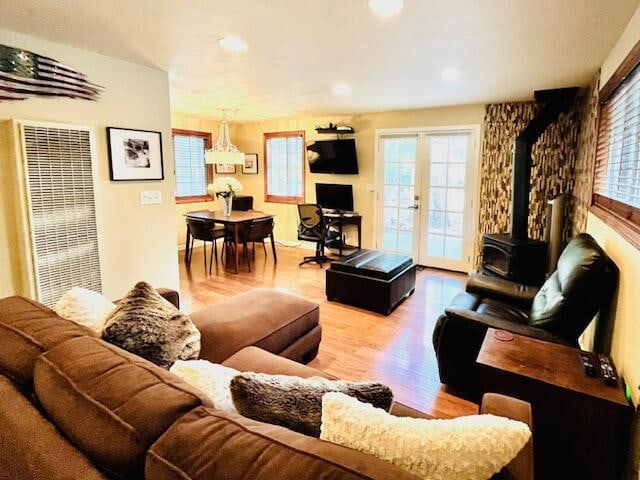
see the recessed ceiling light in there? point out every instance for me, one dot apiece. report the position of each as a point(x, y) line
point(342, 89)
point(233, 43)
point(386, 8)
point(450, 74)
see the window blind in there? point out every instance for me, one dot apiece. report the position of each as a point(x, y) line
point(617, 173)
point(285, 167)
point(59, 177)
point(191, 178)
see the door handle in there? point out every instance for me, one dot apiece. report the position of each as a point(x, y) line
point(414, 207)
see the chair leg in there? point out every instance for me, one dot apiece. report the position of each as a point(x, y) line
point(204, 251)
point(215, 250)
point(253, 249)
point(213, 246)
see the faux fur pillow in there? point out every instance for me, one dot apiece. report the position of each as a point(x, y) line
point(296, 403)
point(210, 378)
point(464, 448)
point(146, 324)
point(85, 307)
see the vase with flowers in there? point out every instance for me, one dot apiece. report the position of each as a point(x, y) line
point(225, 188)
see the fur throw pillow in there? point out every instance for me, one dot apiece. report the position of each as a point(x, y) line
point(296, 403)
point(464, 448)
point(210, 378)
point(146, 324)
point(85, 307)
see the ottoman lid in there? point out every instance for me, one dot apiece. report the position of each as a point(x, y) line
point(373, 263)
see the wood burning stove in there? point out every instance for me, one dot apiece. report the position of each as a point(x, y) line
point(514, 256)
point(522, 261)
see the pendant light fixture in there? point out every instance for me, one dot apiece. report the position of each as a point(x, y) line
point(224, 152)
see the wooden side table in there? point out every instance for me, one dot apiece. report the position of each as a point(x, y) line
point(581, 426)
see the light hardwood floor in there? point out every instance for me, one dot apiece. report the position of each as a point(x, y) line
point(356, 344)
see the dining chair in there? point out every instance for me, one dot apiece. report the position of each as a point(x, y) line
point(206, 231)
point(256, 231)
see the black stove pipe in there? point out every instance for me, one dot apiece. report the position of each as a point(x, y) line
point(553, 102)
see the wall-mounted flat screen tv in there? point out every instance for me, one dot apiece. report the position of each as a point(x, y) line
point(333, 156)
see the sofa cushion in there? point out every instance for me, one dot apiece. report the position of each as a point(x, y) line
point(28, 328)
point(430, 449)
point(110, 403)
point(31, 447)
point(295, 402)
point(146, 324)
point(268, 319)
point(207, 444)
point(252, 359)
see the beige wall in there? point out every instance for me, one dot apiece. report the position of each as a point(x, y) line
point(249, 138)
point(626, 334)
point(136, 242)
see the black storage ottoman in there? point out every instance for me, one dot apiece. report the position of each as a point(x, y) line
point(370, 279)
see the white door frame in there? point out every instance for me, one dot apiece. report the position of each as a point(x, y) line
point(474, 166)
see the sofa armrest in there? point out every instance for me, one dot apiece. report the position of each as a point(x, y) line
point(501, 289)
point(521, 467)
point(484, 321)
point(172, 296)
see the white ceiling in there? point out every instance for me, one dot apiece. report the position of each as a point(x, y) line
point(298, 49)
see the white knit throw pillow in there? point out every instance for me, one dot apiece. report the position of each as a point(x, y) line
point(211, 379)
point(464, 448)
point(85, 307)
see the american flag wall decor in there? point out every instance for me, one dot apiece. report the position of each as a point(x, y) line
point(25, 74)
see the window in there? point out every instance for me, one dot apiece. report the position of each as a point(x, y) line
point(616, 185)
point(284, 154)
point(191, 171)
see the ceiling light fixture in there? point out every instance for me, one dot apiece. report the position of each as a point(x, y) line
point(386, 8)
point(450, 74)
point(233, 43)
point(342, 89)
point(224, 152)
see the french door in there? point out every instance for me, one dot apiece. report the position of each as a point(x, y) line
point(426, 195)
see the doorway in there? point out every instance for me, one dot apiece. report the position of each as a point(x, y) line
point(426, 202)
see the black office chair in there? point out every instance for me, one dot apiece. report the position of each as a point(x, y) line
point(206, 231)
point(313, 228)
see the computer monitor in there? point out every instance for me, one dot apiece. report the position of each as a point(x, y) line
point(332, 196)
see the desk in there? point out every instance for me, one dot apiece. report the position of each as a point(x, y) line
point(339, 220)
point(233, 222)
point(580, 426)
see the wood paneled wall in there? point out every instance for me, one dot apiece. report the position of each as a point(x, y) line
point(562, 163)
point(587, 117)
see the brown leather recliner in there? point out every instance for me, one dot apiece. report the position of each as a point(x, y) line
point(582, 286)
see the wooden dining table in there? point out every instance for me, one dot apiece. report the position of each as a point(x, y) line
point(233, 222)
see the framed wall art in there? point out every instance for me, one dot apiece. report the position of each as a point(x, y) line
point(225, 168)
point(134, 154)
point(250, 164)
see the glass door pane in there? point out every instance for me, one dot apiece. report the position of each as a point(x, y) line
point(444, 241)
point(398, 214)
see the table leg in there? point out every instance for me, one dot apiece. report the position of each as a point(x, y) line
point(359, 236)
point(340, 238)
point(235, 244)
point(273, 248)
point(187, 252)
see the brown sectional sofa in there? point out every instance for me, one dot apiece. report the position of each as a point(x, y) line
point(75, 407)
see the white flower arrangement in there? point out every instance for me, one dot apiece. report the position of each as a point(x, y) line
point(224, 187)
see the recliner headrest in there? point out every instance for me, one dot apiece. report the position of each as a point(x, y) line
point(580, 258)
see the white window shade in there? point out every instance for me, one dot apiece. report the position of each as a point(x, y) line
point(285, 167)
point(190, 165)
